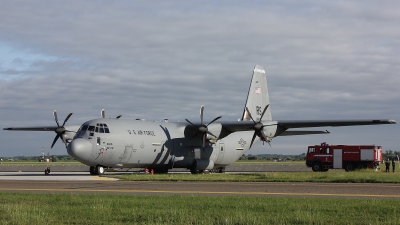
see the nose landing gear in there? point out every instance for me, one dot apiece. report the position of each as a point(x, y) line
point(97, 170)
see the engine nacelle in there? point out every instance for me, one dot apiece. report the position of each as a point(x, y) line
point(204, 164)
point(214, 128)
point(270, 131)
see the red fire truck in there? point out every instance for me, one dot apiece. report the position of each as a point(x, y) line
point(349, 157)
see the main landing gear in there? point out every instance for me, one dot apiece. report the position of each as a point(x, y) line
point(97, 170)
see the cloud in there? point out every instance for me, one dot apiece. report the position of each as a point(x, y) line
point(324, 60)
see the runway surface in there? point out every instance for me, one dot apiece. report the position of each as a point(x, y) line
point(84, 183)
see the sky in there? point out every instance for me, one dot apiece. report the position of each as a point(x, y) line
point(164, 59)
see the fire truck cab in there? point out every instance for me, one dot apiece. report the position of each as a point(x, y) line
point(349, 157)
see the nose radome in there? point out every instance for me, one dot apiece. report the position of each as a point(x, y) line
point(80, 149)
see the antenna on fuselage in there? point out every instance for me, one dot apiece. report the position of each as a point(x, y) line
point(102, 113)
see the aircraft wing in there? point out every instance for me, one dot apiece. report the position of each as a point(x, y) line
point(330, 123)
point(71, 128)
point(52, 128)
point(284, 125)
point(302, 132)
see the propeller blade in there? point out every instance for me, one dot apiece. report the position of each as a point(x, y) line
point(190, 122)
point(60, 131)
point(262, 114)
point(66, 119)
point(55, 117)
point(197, 133)
point(204, 140)
point(214, 120)
point(248, 112)
point(118, 117)
point(252, 140)
point(55, 140)
point(208, 132)
point(201, 114)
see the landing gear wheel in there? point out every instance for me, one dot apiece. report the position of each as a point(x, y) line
point(316, 167)
point(100, 170)
point(93, 170)
point(194, 171)
point(349, 167)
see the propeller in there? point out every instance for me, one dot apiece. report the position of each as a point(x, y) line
point(258, 127)
point(60, 130)
point(203, 128)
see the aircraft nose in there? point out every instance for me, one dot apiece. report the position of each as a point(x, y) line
point(80, 149)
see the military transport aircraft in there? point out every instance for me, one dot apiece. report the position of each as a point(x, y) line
point(120, 143)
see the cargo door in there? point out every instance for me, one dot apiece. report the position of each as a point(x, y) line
point(337, 158)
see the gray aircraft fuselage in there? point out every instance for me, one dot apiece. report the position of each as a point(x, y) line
point(159, 145)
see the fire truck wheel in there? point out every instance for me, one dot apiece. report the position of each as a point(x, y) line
point(361, 166)
point(316, 167)
point(349, 167)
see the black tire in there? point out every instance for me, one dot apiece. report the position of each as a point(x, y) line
point(93, 170)
point(349, 167)
point(100, 170)
point(316, 167)
point(194, 171)
point(161, 171)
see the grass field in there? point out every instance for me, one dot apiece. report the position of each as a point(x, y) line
point(130, 209)
point(338, 176)
point(17, 208)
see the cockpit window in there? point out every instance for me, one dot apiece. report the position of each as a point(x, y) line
point(83, 128)
point(90, 128)
point(106, 130)
point(99, 128)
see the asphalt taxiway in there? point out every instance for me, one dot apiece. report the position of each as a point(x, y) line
point(82, 182)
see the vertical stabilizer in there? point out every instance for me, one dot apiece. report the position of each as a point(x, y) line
point(258, 98)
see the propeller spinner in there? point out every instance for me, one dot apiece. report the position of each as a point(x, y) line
point(258, 127)
point(60, 129)
point(203, 129)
